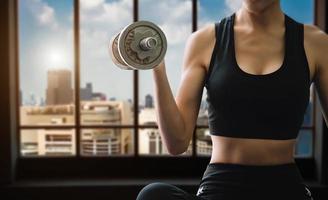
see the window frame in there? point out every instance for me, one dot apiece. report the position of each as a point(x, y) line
point(135, 165)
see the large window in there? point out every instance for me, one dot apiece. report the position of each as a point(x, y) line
point(73, 100)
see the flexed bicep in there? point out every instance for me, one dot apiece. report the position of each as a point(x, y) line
point(197, 51)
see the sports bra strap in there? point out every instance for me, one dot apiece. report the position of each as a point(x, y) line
point(219, 28)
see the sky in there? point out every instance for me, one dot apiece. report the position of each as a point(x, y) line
point(46, 39)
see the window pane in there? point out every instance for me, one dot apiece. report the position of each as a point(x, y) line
point(204, 142)
point(302, 11)
point(202, 119)
point(150, 143)
point(304, 143)
point(106, 91)
point(308, 116)
point(47, 142)
point(210, 11)
point(174, 19)
point(107, 142)
point(46, 62)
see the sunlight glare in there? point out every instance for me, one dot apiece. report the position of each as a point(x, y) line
point(56, 58)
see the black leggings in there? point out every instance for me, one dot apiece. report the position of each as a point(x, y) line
point(228, 181)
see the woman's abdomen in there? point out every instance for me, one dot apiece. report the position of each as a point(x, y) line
point(252, 151)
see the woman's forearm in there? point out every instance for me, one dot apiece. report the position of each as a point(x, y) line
point(170, 122)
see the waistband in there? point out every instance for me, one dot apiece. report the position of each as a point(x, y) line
point(286, 173)
point(237, 166)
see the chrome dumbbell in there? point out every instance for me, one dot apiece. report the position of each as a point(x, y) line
point(140, 45)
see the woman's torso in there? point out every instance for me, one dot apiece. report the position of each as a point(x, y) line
point(269, 46)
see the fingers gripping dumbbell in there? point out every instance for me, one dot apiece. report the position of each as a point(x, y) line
point(140, 45)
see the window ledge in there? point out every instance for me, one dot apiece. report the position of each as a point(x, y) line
point(119, 182)
point(102, 182)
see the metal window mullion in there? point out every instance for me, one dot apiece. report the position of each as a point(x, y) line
point(136, 89)
point(77, 74)
point(313, 90)
point(85, 126)
point(313, 121)
point(194, 28)
point(17, 82)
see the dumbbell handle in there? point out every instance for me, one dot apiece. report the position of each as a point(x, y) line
point(148, 43)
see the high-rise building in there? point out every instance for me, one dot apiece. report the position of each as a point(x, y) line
point(106, 112)
point(150, 139)
point(148, 101)
point(202, 118)
point(32, 100)
point(204, 142)
point(44, 142)
point(45, 115)
point(105, 141)
point(20, 97)
point(99, 96)
point(59, 88)
point(86, 93)
point(42, 101)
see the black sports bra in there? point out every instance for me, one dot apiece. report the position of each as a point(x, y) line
point(264, 106)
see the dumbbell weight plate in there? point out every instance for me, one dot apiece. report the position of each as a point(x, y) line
point(128, 49)
point(116, 58)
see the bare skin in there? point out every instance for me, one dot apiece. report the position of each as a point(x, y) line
point(258, 30)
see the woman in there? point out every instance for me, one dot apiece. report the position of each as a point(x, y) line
point(257, 65)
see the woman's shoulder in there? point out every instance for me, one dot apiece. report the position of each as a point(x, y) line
point(201, 43)
point(204, 35)
point(315, 36)
point(317, 42)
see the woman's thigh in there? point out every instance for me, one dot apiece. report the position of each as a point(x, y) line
point(165, 191)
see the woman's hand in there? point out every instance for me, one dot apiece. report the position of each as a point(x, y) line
point(160, 67)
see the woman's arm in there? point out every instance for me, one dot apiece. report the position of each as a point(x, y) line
point(176, 116)
point(320, 42)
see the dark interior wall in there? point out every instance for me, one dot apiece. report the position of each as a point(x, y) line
point(326, 17)
point(321, 136)
point(325, 128)
point(4, 58)
point(7, 86)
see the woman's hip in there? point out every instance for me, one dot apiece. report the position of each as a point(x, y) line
point(233, 181)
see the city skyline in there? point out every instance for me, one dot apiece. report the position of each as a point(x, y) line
point(60, 110)
point(59, 91)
